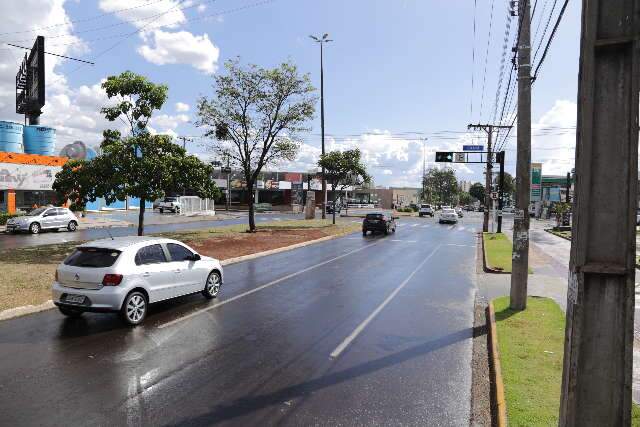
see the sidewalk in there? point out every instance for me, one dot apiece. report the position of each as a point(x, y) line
point(549, 260)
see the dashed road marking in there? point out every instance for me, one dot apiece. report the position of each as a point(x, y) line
point(358, 330)
point(266, 285)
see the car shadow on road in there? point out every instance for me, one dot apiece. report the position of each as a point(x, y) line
point(247, 405)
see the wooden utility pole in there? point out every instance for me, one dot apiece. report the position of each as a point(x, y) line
point(520, 254)
point(488, 177)
point(598, 352)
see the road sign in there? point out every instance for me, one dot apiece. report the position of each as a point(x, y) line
point(473, 148)
point(494, 195)
point(459, 157)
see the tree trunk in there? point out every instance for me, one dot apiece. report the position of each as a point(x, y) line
point(334, 206)
point(252, 219)
point(141, 217)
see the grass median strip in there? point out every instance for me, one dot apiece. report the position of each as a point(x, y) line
point(498, 250)
point(531, 346)
point(27, 273)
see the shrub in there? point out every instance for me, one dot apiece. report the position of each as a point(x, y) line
point(4, 216)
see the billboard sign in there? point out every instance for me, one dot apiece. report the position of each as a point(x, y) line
point(473, 148)
point(536, 182)
point(15, 176)
point(30, 80)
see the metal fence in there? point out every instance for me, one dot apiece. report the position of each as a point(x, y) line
point(193, 205)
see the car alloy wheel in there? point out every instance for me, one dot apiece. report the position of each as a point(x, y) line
point(135, 308)
point(212, 287)
point(34, 228)
point(72, 226)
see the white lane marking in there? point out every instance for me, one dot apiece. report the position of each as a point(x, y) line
point(277, 219)
point(451, 227)
point(426, 226)
point(404, 241)
point(461, 246)
point(414, 225)
point(266, 285)
point(355, 220)
point(348, 340)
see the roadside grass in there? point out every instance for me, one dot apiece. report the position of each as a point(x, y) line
point(531, 347)
point(563, 234)
point(27, 273)
point(498, 248)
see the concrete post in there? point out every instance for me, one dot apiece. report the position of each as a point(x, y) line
point(520, 255)
point(598, 352)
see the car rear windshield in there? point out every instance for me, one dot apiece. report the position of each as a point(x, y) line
point(92, 257)
point(170, 199)
point(425, 206)
point(374, 216)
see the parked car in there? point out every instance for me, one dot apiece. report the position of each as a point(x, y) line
point(378, 222)
point(425, 209)
point(330, 208)
point(46, 218)
point(448, 216)
point(170, 204)
point(459, 212)
point(480, 209)
point(468, 208)
point(126, 274)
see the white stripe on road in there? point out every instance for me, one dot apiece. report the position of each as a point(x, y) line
point(348, 340)
point(460, 246)
point(405, 241)
point(426, 226)
point(266, 285)
point(414, 225)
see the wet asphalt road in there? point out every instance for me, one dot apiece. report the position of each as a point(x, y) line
point(22, 240)
point(265, 356)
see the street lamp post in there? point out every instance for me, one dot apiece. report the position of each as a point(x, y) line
point(322, 40)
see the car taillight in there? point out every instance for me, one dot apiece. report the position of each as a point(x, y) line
point(112, 279)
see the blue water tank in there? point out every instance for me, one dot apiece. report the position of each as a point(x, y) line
point(11, 137)
point(39, 140)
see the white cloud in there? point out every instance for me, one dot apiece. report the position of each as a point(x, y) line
point(181, 47)
point(181, 107)
point(150, 13)
point(166, 121)
point(202, 8)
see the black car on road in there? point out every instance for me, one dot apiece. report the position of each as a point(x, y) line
point(378, 222)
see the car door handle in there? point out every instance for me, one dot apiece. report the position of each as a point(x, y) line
point(146, 274)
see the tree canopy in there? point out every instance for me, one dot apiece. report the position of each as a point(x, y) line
point(477, 192)
point(343, 169)
point(255, 117)
point(440, 186)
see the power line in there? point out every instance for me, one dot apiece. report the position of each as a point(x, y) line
point(486, 58)
point(546, 28)
point(473, 57)
point(553, 33)
point(505, 43)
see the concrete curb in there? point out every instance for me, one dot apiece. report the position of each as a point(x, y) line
point(485, 264)
point(550, 231)
point(47, 305)
point(495, 369)
point(236, 260)
point(24, 310)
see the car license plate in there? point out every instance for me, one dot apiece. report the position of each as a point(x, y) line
point(75, 299)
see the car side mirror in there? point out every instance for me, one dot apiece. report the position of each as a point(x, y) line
point(194, 257)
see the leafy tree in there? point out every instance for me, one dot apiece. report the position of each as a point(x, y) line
point(138, 165)
point(477, 192)
point(343, 169)
point(255, 116)
point(465, 198)
point(440, 186)
point(509, 185)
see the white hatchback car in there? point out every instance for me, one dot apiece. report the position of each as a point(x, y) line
point(126, 274)
point(448, 215)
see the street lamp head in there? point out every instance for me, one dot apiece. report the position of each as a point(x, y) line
point(315, 38)
point(324, 36)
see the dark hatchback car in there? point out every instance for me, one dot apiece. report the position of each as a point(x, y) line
point(378, 222)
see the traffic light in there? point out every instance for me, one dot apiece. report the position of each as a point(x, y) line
point(444, 156)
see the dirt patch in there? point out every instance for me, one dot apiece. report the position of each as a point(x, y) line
point(239, 244)
point(481, 414)
point(25, 286)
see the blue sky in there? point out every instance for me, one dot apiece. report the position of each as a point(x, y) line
point(395, 67)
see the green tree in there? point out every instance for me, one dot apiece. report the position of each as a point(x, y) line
point(138, 165)
point(440, 186)
point(465, 198)
point(255, 117)
point(343, 169)
point(477, 192)
point(509, 185)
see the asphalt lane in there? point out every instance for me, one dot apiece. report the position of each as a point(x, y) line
point(264, 356)
point(23, 240)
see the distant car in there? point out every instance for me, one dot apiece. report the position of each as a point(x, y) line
point(480, 209)
point(330, 208)
point(378, 222)
point(459, 212)
point(425, 209)
point(468, 208)
point(508, 209)
point(448, 216)
point(170, 204)
point(126, 274)
point(49, 218)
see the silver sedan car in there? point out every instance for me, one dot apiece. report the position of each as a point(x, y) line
point(126, 274)
point(46, 218)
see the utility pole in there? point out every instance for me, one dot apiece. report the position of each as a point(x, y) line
point(566, 196)
point(598, 351)
point(424, 167)
point(520, 255)
point(322, 40)
point(500, 160)
point(488, 176)
point(184, 140)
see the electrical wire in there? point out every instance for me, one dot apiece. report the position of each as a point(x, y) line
point(473, 58)
point(553, 33)
point(486, 59)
